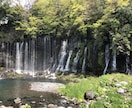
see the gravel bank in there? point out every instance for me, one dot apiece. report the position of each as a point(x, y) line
point(46, 86)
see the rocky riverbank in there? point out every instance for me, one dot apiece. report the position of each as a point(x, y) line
point(54, 100)
point(41, 102)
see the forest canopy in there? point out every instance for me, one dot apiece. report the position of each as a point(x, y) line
point(101, 21)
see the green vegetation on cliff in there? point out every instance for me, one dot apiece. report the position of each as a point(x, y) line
point(100, 21)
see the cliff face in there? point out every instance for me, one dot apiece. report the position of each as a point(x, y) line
point(44, 55)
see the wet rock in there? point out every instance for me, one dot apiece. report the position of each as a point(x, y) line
point(89, 95)
point(63, 101)
point(33, 102)
point(52, 106)
point(0, 102)
point(69, 107)
point(17, 101)
point(61, 107)
point(121, 91)
point(22, 106)
point(41, 96)
point(6, 107)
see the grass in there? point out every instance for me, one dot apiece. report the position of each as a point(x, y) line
point(106, 95)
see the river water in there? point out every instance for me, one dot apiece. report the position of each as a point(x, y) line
point(13, 88)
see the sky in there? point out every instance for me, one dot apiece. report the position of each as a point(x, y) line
point(24, 3)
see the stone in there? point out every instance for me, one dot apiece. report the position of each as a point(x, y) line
point(124, 83)
point(89, 95)
point(41, 96)
point(117, 85)
point(64, 101)
point(6, 107)
point(61, 107)
point(69, 107)
point(52, 106)
point(0, 102)
point(17, 101)
point(33, 102)
point(98, 98)
point(121, 91)
point(22, 106)
point(25, 106)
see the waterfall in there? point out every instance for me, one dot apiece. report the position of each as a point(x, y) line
point(7, 57)
point(47, 55)
point(19, 47)
point(44, 54)
point(62, 56)
point(114, 61)
point(67, 68)
point(26, 58)
point(84, 60)
point(32, 66)
point(75, 61)
point(107, 58)
point(128, 71)
point(54, 56)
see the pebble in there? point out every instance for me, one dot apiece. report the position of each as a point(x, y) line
point(64, 101)
point(61, 107)
point(33, 102)
point(124, 83)
point(52, 106)
point(69, 107)
point(121, 91)
point(117, 85)
point(0, 102)
point(17, 100)
point(5, 106)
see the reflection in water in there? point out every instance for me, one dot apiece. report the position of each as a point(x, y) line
point(12, 88)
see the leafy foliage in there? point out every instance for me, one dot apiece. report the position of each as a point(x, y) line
point(101, 21)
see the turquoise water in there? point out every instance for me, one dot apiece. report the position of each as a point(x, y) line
point(13, 88)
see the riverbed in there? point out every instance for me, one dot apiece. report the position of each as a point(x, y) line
point(39, 93)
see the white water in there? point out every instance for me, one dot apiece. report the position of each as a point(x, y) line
point(62, 56)
point(75, 61)
point(67, 67)
point(26, 58)
point(32, 58)
point(84, 60)
point(128, 68)
point(107, 58)
point(7, 57)
point(114, 61)
point(19, 47)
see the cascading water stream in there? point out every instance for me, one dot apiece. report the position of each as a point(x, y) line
point(67, 68)
point(107, 58)
point(84, 60)
point(44, 55)
point(7, 57)
point(19, 47)
point(113, 68)
point(128, 71)
point(26, 59)
point(32, 58)
point(62, 56)
point(75, 61)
